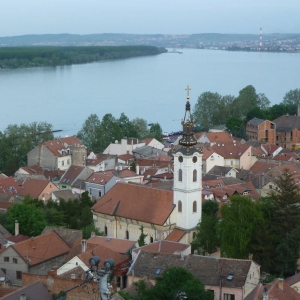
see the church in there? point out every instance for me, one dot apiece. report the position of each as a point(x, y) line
point(169, 212)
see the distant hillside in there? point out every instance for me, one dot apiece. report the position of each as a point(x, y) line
point(110, 39)
point(37, 56)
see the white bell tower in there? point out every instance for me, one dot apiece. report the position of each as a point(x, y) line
point(188, 175)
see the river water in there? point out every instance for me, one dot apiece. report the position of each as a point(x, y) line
point(150, 87)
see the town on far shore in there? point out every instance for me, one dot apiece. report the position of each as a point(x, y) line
point(190, 214)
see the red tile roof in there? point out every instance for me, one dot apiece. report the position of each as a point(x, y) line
point(176, 235)
point(42, 248)
point(57, 146)
point(71, 174)
point(232, 149)
point(118, 245)
point(164, 246)
point(125, 156)
point(136, 202)
point(215, 137)
point(8, 186)
point(93, 162)
point(100, 178)
point(17, 238)
point(35, 187)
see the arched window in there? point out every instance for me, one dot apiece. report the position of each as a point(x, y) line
point(127, 235)
point(151, 239)
point(194, 206)
point(105, 230)
point(195, 175)
point(179, 206)
point(180, 175)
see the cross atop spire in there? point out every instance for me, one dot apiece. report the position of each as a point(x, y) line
point(188, 93)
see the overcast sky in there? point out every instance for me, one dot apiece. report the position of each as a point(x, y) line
point(20, 17)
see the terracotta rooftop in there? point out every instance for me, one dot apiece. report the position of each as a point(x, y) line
point(126, 156)
point(118, 245)
point(8, 186)
point(17, 238)
point(215, 137)
point(176, 235)
point(164, 246)
point(42, 248)
point(71, 174)
point(136, 202)
point(93, 162)
point(47, 173)
point(35, 187)
point(232, 149)
point(100, 178)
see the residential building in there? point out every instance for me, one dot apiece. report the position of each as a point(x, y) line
point(58, 154)
point(261, 130)
point(288, 131)
point(236, 154)
point(101, 162)
point(73, 174)
point(36, 256)
point(125, 146)
point(233, 278)
point(98, 184)
point(210, 159)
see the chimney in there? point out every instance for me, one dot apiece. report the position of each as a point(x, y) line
point(280, 284)
point(23, 297)
point(93, 234)
point(137, 167)
point(16, 228)
point(83, 245)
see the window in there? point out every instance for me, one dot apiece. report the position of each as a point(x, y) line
point(151, 239)
point(105, 230)
point(19, 274)
point(127, 235)
point(179, 206)
point(3, 270)
point(194, 175)
point(99, 193)
point(270, 187)
point(62, 162)
point(180, 175)
point(68, 162)
point(6, 258)
point(15, 261)
point(194, 206)
point(229, 297)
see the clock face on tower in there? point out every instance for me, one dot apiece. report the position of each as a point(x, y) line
point(180, 159)
point(194, 159)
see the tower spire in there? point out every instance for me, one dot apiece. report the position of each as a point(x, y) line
point(188, 140)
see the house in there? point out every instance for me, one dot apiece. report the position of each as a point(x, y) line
point(126, 207)
point(223, 171)
point(98, 184)
point(73, 174)
point(125, 159)
point(33, 291)
point(213, 138)
point(277, 289)
point(101, 162)
point(236, 154)
point(294, 281)
point(147, 152)
point(210, 159)
point(36, 172)
point(161, 166)
point(164, 246)
point(35, 188)
point(271, 149)
point(36, 256)
point(234, 278)
point(58, 154)
point(125, 146)
point(64, 194)
point(154, 143)
point(261, 130)
point(288, 131)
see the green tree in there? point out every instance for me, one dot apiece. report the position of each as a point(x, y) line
point(286, 202)
point(173, 282)
point(31, 219)
point(87, 230)
point(133, 166)
point(239, 220)
point(90, 133)
point(287, 253)
point(263, 102)
point(156, 132)
point(206, 237)
point(141, 241)
point(141, 127)
point(127, 127)
point(292, 97)
point(256, 112)
point(110, 131)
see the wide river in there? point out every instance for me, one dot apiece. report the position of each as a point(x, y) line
point(150, 87)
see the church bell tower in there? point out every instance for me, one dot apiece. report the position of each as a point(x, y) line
point(188, 174)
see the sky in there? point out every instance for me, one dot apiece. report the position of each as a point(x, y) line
point(20, 17)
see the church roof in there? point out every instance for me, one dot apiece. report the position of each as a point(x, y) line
point(136, 202)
